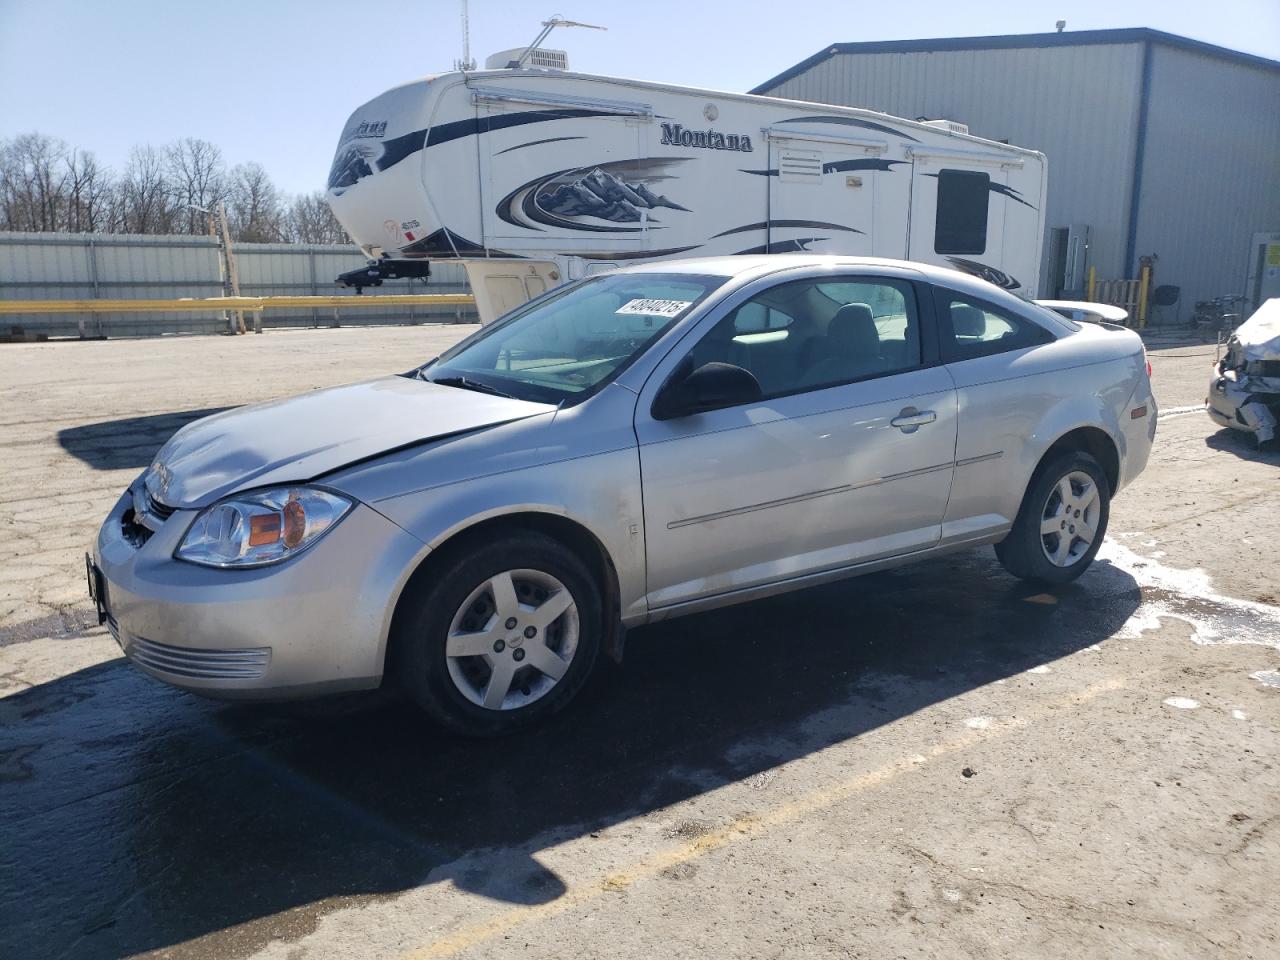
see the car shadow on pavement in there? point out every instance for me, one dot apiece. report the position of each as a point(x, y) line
point(129, 442)
point(1244, 446)
point(138, 817)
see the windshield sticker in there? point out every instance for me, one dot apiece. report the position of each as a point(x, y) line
point(654, 308)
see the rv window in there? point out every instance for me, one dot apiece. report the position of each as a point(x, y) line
point(963, 198)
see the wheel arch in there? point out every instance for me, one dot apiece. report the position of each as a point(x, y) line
point(568, 532)
point(1091, 440)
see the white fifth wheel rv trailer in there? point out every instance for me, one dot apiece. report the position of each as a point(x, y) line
point(531, 177)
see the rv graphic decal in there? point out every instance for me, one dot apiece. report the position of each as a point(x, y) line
point(985, 272)
point(673, 134)
point(852, 122)
point(780, 224)
point(573, 199)
point(636, 254)
point(355, 161)
point(1001, 188)
point(838, 166)
point(534, 143)
point(783, 246)
point(445, 243)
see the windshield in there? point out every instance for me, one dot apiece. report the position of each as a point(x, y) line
point(564, 347)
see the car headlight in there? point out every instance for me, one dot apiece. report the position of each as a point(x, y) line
point(265, 526)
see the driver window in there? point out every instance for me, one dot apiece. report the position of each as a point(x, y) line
point(810, 334)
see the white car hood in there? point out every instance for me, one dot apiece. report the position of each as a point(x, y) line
point(1259, 336)
point(293, 440)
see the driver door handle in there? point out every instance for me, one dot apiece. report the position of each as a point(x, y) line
point(909, 420)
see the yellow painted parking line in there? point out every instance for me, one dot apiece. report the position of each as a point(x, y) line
point(741, 828)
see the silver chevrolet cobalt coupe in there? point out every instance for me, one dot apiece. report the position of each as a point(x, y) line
point(627, 448)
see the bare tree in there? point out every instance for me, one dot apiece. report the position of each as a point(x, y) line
point(308, 219)
point(145, 194)
point(90, 195)
point(46, 185)
point(197, 178)
point(33, 182)
point(254, 205)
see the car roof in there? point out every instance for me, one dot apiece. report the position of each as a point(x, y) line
point(742, 269)
point(762, 264)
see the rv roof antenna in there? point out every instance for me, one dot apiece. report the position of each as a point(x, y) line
point(547, 27)
point(466, 63)
point(1061, 25)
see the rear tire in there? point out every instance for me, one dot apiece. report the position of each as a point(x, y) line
point(1061, 522)
point(504, 637)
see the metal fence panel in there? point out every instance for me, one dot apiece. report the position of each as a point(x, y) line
point(71, 266)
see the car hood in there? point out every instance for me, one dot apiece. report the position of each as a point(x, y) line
point(298, 439)
point(1259, 336)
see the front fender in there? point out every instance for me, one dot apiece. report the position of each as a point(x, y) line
point(600, 493)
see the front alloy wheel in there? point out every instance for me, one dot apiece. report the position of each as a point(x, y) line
point(513, 639)
point(494, 636)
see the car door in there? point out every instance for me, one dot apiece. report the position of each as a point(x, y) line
point(1006, 382)
point(846, 456)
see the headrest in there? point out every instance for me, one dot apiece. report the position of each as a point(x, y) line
point(967, 321)
point(852, 331)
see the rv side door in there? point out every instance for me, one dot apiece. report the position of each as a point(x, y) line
point(821, 197)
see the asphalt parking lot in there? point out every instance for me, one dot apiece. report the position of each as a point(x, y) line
point(936, 761)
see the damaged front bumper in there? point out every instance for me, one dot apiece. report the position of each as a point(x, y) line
point(1244, 402)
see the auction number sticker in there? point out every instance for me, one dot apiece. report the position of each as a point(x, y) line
point(654, 308)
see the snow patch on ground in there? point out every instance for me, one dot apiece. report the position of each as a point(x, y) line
point(978, 723)
point(1182, 703)
point(1268, 678)
point(1189, 596)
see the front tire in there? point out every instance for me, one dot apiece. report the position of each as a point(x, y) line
point(505, 636)
point(1061, 523)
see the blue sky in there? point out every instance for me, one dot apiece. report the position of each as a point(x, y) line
point(273, 80)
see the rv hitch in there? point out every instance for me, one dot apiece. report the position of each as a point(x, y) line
point(375, 271)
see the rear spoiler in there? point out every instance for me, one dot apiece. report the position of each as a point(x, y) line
point(1085, 311)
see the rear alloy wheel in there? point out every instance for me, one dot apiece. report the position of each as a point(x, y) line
point(1061, 523)
point(1069, 522)
point(506, 635)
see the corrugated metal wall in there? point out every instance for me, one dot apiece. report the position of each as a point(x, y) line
point(1076, 104)
point(66, 266)
point(1211, 170)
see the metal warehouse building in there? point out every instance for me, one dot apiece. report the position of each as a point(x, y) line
point(1157, 144)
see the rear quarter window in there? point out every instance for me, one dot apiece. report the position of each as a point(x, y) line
point(970, 327)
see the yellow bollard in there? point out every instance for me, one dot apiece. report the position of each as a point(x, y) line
point(1093, 283)
point(1144, 282)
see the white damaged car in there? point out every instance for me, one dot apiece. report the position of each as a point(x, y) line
point(1244, 392)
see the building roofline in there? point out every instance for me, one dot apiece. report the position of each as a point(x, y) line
point(1076, 38)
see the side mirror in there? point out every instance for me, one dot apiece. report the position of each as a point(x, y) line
point(710, 387)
